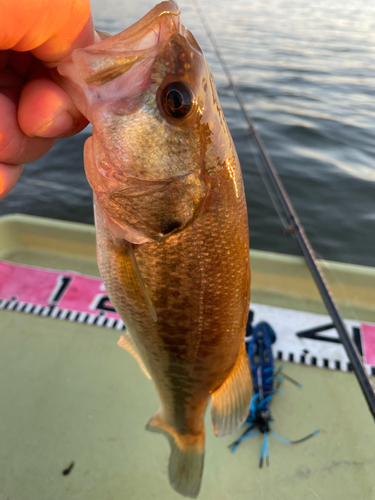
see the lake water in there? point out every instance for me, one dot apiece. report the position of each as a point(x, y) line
point(307, 74)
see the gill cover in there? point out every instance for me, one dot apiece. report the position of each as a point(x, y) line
point(141, 90)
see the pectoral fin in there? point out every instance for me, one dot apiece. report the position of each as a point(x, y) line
point(231, 402)
point(127, 343)
point(141, 284)
point(186, 459)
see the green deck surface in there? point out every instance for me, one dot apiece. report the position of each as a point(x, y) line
point(69, 393)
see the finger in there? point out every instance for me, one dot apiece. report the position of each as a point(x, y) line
point(15, 146)
point(45, 110)
point(50, 29)
point(9, 175)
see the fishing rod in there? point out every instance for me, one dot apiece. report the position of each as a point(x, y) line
point(297, 230)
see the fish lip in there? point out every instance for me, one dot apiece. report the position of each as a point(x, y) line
point(135, 47)
point(163, 11)
point(168, 7)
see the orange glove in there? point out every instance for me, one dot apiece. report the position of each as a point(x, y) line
point(34, 111)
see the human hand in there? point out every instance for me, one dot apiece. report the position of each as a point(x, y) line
point(34, 110)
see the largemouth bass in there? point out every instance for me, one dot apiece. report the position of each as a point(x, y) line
point(171, 220)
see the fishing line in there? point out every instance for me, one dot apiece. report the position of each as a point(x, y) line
point(271, 193)
point(249, 134)
point(296, 228)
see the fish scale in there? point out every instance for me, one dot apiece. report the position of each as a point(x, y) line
point(171, 221)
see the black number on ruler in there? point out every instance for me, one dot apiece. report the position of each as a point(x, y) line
point(62, 284)
point(357, 339)
point(312, 334)
point(104, 306)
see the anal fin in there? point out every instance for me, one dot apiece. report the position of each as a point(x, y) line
point(127, 343)
point(231, 401)
point(186, 458)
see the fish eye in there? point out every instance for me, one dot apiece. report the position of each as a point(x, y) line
point(176, 99)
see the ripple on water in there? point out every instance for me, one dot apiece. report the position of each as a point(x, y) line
point(306, 71)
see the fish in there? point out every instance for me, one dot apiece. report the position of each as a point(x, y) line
point(171, 225)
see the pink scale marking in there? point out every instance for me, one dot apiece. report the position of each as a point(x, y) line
point(43, 287)
point(368, 342)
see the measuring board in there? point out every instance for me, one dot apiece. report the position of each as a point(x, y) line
point(302, 337)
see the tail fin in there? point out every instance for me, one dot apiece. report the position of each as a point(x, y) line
point(186, 459)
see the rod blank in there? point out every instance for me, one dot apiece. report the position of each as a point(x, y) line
point(297, 230)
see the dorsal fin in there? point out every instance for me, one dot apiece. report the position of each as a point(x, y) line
point(140, 280)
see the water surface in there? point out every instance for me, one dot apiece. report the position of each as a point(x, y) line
point(306, 71)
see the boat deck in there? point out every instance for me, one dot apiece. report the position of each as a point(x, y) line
point(69, 393)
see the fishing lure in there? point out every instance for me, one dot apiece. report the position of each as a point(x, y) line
point(266, 382)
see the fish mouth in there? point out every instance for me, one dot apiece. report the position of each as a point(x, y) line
point(167, 8)
point(120, 68)
point(107, 60)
